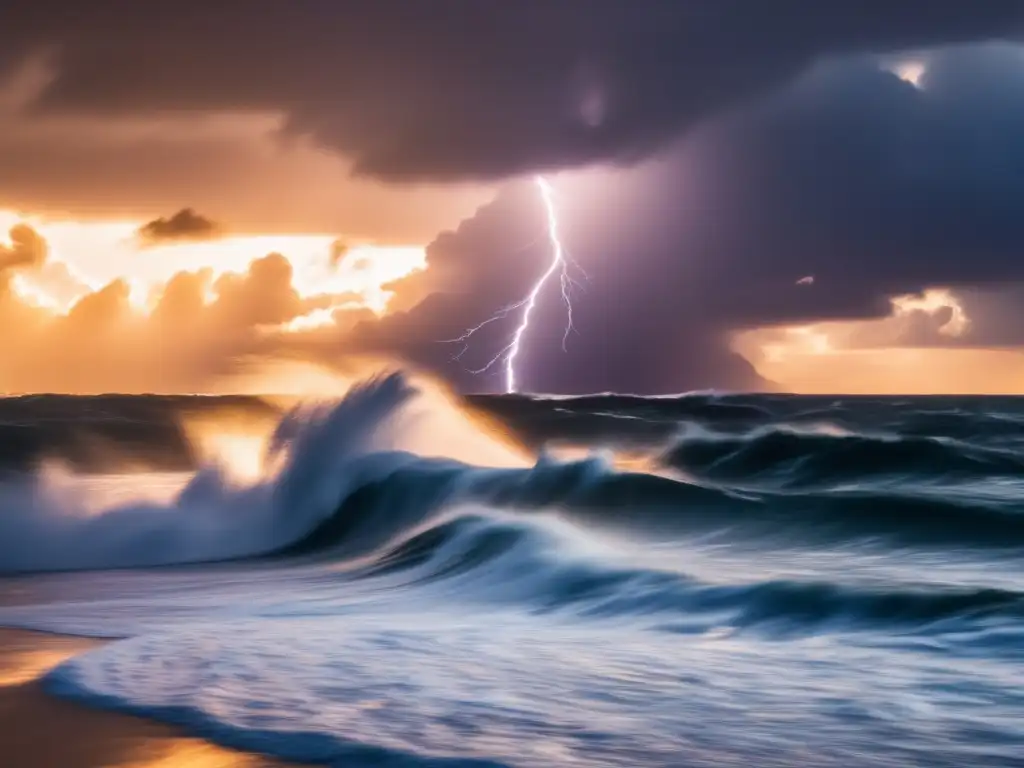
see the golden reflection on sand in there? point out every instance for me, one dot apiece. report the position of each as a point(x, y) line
point(40, 731)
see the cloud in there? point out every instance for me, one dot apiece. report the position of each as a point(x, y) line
point(339, 250)
point(185, 225)
point(461, 89)
point(198, 330)
point(492, 261)
point(877, 188)
point(27, 249)
point(139, 165)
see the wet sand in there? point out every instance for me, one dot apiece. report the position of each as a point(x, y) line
point(40, 731)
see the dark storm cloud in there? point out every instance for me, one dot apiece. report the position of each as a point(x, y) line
point(461, 88)
point(489, 262)
point(876, 188)
point(185, 225)
point(492, 261)
point(850, 175)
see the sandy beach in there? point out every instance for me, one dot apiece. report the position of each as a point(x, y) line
point(40, 731)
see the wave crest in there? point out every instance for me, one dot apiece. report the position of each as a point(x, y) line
point(550, 567)
point(322, 453)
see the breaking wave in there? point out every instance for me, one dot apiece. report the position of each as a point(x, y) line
point(341, 484)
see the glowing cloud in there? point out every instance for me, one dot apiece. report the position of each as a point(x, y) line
point(95, 253)
point(909, 70)
point(932, 301)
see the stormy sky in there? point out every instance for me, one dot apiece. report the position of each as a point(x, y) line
point(780, 195)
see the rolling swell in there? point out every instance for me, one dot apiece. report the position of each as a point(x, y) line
point(544, 566)
point(792, 458)
point(417, 489)
point(420, 490)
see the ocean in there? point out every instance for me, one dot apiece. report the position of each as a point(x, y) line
point(409, 579)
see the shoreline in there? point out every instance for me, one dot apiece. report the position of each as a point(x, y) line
point(42, 731)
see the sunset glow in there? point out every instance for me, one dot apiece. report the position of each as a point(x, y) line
point(95, 253)
point(885, 354)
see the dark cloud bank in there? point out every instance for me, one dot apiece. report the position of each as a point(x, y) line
point(803, 156)
point(850, 174)
point(460, 88)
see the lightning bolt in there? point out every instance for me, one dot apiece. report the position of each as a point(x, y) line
point(560, 263)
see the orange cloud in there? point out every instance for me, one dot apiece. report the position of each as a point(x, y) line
point(196, 328)
point(27, 248)
point(920, 371)
point(906, 352)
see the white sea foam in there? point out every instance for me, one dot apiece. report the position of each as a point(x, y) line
point(495, 689)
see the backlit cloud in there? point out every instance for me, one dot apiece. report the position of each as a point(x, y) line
point(194, 331)
point(26, 248)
